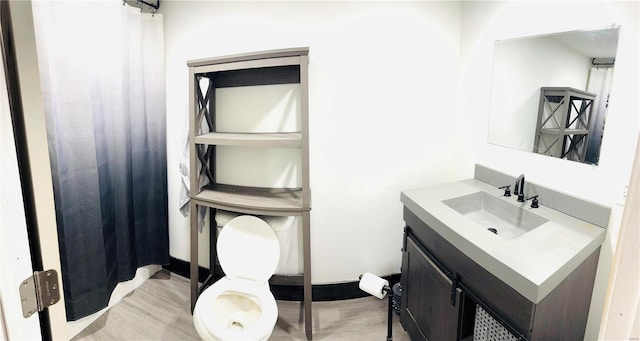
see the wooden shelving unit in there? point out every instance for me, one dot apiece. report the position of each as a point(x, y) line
point(274, 67)
point(564, 120)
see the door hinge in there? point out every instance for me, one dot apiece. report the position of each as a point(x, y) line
point(39, 291)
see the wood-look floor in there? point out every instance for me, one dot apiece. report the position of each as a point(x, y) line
point(159, 310)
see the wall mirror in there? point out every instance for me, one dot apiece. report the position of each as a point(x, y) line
point(550, 93)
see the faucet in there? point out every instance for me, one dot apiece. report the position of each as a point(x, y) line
point(518, 188)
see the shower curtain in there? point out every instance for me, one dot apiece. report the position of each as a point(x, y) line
point(102, 77)
point(599, 83)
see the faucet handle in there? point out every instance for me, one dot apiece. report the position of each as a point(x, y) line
point(507, 190)
point(534, 201)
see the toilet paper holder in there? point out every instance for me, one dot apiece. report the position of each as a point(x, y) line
point(379, 288)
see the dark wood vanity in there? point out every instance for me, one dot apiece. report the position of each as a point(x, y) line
point(442, 288)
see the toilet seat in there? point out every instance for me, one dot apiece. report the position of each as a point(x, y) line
point(211, 329)
point(248, 251)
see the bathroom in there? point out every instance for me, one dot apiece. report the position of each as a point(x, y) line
point(399, 98)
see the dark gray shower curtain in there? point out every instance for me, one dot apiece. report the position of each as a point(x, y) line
point(102, 77)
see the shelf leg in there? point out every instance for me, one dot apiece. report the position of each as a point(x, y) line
point(213, 231)
point(193, 273)
point(308, 299)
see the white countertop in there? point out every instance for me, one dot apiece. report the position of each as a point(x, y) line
point(533, 263)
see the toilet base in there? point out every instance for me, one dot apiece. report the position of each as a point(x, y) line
point(213, 315)
point(205, 336)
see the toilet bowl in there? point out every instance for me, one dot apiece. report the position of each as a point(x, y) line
point(229, 310)
point(240, 306)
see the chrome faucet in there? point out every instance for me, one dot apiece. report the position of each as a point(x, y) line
point(518, 188)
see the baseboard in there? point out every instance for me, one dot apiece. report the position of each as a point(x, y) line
point(319, 292)
point(182, 268)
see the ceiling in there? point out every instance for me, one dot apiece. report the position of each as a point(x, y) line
point(594, 44)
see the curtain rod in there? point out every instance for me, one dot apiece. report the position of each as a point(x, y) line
point(612, 63)
point(149, 6)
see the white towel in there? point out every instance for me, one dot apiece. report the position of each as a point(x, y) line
point(183, 199)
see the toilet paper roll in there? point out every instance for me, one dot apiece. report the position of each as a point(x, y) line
point(373, 285)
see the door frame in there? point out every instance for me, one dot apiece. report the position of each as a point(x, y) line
point(27, 111)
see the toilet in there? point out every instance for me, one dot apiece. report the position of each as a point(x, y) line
point(240, 306)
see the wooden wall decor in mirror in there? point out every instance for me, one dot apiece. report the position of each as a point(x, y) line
point(550, 93)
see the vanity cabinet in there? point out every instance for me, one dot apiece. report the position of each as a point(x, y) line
point(424, 282)
point(442, 287)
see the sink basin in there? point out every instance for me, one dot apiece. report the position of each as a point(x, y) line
point(490, 212)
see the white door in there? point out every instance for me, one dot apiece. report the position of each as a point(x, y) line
point(15, 261)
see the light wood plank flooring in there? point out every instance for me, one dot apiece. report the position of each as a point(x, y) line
point(159, 310)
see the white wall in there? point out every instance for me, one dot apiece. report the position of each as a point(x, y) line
point(485, 22)
point(622, 310)
point(383, 98)
point(520, 68)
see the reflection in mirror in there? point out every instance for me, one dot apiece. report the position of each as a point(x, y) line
point(550, 93)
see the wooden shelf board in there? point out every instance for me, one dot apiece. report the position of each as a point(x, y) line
point(566, 131)
point(285, 140)
point(562, 91)
point(250, 200)
point(280, 53)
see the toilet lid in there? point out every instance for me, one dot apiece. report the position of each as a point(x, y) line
point(248, 249)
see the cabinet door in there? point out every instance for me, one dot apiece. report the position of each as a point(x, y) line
point(426, 309)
